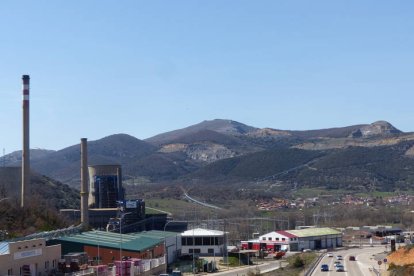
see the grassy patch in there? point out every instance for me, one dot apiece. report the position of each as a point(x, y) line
point(315, 192)
point(178, 207)
point(168, 204)
point(297, 264)
point(232, 262)
point(377, 194)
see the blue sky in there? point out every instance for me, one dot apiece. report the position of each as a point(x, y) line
point(146, 67)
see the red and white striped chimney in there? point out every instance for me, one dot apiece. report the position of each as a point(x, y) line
point(26, 138)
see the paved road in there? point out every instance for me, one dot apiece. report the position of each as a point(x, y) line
point(365, 260)
point(200, 202)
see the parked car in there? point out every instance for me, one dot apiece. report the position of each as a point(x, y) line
point(330, 255)
point(324, 267)
point(307, 250)
point(339, 257)
point(352, 258)
point(340, 268)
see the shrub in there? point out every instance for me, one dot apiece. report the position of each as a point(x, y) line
point(298, 262)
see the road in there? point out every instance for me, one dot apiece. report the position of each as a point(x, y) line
point(199, 202)
point(365, 261)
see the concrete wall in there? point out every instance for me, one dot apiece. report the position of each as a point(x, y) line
point(109, 255)
point(34, 253)
point(173, 248)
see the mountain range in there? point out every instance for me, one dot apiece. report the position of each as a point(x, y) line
point(220, 152)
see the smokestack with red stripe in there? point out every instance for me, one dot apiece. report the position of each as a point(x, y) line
point(26, 138)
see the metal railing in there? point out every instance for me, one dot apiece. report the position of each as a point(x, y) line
point(314, 264)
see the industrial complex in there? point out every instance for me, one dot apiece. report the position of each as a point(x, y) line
point(113, 235)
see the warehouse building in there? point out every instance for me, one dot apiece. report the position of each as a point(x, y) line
point(109, 247)
point(29, 257)
point(172, 242)
point(296, 240)
point(203, 242)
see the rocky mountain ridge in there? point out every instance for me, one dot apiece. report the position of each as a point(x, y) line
point(225, 150)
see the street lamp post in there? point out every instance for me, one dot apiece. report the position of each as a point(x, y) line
point(120, 236)
point(165, 244)
point(193, 253)
point(120, 246)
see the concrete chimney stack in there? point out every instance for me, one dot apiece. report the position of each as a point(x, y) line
point(26, 138)
point(84, 184)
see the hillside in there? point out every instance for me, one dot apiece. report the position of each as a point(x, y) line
point(403, 256)
point(257, 165)
point(16, 156)
point(401, 262)
point(56, 194)
point(362, 157)
point(64, 164)
point(218, 125)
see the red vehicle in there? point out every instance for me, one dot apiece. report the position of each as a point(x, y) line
point(279, 254)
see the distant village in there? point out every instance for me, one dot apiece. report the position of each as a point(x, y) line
point(300, 203)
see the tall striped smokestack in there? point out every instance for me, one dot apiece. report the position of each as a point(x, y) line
point(26, 138)
point(84, 184)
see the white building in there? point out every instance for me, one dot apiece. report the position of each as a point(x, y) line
point(296, 240)
point(203, 242)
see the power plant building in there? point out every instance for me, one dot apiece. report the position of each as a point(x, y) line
point(105, 187)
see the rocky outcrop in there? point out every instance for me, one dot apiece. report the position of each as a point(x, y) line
point(268, 132)
point(375, 129)
point(173, 148)
point(209, 152)
point(203, 152)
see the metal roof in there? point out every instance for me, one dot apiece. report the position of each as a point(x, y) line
point(313, 232)
point(4, 248)
point(286, 234)
point(202, 232)
point(157, 234)
point(131, 242)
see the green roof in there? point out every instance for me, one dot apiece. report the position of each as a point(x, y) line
point(312, 232)
point(130, 242)
point(156, 234)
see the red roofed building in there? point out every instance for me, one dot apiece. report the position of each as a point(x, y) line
point(296, 240)
point(273, 242)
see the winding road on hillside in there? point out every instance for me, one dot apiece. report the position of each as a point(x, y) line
point(200, 202)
